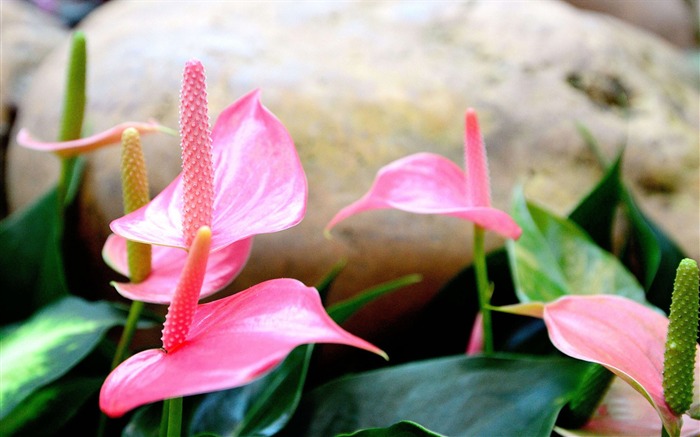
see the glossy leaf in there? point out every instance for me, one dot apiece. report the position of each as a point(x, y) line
point(49, 407)
point(259, 184)
point(595, 214)
point(31, 258)
point(43, 348)
point(400, 429)
point(555, 258)
point(342, 311)
point(651, 254)
point(260, 408)
point(499, 395)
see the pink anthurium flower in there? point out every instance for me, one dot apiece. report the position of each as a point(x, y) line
point(222, 344)
point(67, 149)
point(623, 412)
point(426, 183)
point(166, 266)
point(626, 337)
point(243, 179)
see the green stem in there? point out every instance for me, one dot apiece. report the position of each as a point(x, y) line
point(73, 110)
point(664, 433)
point(482, 285)
point(164, 416)
point(174, 417)
point(128, 333)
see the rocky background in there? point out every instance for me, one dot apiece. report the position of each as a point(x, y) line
point(359, 85)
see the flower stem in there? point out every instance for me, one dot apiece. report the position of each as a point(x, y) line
point(174, 417)
point(128, 333)
point(482, 285)
point(73, 110)
point(164, 417)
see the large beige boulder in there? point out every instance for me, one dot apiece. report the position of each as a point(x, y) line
point(359, 85)
point(26, 36)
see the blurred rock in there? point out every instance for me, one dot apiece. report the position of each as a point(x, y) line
point(359, 85)
point(674, 20)
point(26, 36)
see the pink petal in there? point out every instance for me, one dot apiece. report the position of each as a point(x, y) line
point(232, 341)
point(622, 335)
point(623, 412)
point(71, 148)
point(166, 266)
point(478, 185)
point(425, 183)
point(259, 183)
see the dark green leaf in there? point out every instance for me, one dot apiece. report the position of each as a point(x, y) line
point(596, 212)
point(554, 258)
point(50, 343)
point(47, 409)
point(323, 286)
point(260, 408)
point(401, 429)
point(341, 311)
point(31, 263)
point(651, 255)
point(499, 395)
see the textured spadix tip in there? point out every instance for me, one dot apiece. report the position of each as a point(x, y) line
point(196, 143)
point(681, 340)
point(184, 304)
point(478, 183)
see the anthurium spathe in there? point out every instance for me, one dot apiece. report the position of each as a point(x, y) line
point(623, 412)
point(426, 183)
point(222, 344)
point(244, 179)
point(166, 266)
point(624, 336)
point(67, 149)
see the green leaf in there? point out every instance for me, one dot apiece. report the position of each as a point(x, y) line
point(499, 395)
point(342, 311)
point(554, 258)
point(261, 408)
point(324, 285)
point(595, 214)
point(50, 343)
point(401, 429)
point(31, 261)
point(50, 407)
point(651, 254)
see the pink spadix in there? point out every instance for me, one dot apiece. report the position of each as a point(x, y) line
point(196, 144)
point(249, 181)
